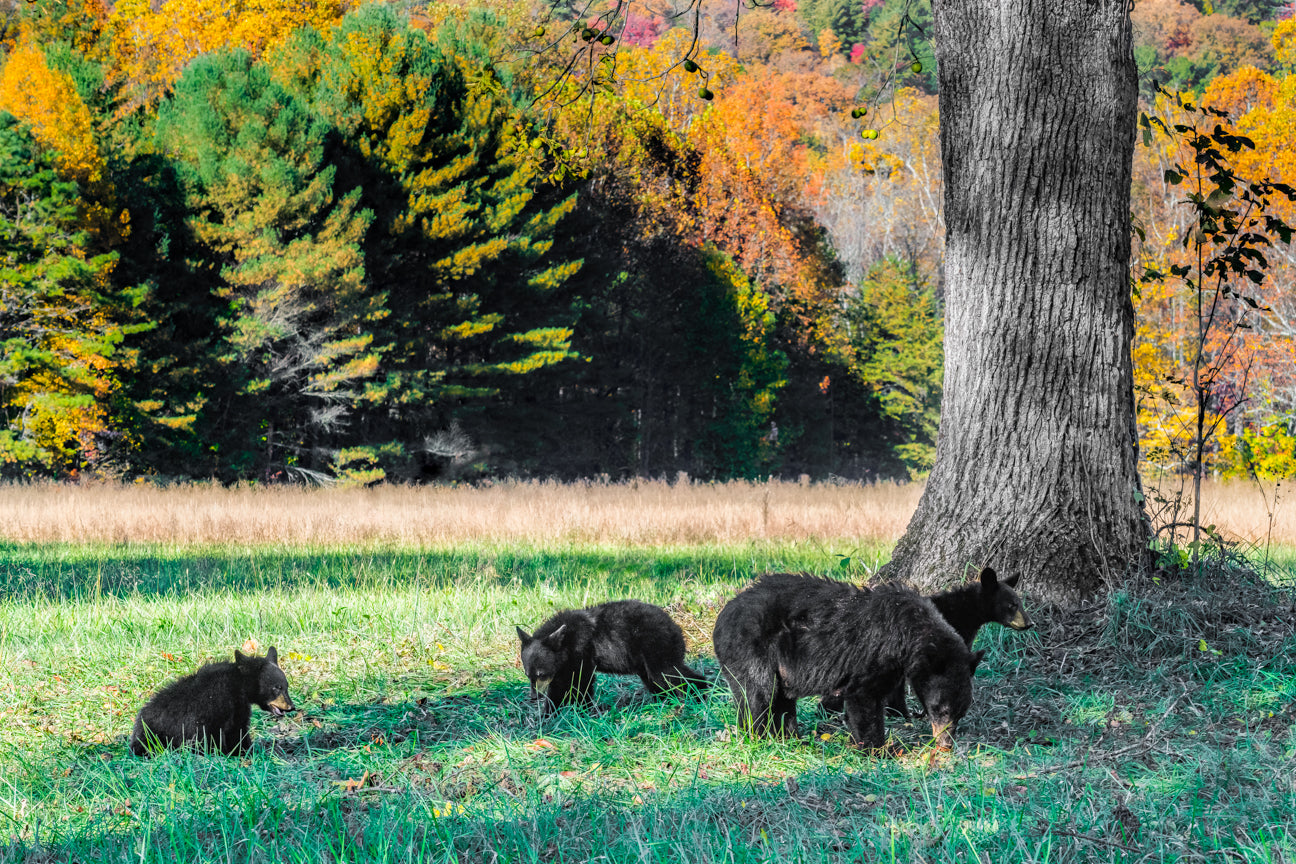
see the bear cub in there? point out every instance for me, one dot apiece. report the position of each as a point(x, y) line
point(213, 706)
point(967, 608)
point(624, 637)
point(985, 601)
point(791, 635)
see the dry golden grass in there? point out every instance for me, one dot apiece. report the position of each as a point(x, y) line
point(1240, 510)
point(642, 513)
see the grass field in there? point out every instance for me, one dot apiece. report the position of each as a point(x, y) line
point(1158, 724)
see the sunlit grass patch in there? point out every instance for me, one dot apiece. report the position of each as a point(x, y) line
point(1100, 732)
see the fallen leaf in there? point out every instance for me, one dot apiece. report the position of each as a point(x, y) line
point(351, 784)
point(538, 745)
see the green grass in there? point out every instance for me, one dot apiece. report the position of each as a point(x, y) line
point(1157, 724)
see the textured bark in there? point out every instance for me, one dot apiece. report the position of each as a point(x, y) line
point(1036, 458)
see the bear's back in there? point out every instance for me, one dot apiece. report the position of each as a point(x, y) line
point(211, 697)
point(631, 635)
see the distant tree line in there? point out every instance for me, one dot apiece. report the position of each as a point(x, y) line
point(250, 250)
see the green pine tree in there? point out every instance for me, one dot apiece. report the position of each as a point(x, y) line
point(61, 323)
point(897, 332)
point(298, 318)
point(461, 240)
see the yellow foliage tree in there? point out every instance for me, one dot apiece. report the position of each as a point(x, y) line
point(48, 101)
point(829, 44)
point(151, 45)
point(654, 77)
point(1284, 43)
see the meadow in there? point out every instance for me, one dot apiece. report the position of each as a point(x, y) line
point(1157, 723)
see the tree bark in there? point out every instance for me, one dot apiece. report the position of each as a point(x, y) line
point(1036, 458)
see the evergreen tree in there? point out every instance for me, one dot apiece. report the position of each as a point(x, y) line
point(297, 344)
point(895, 325)
point(61, 324)
point(460, 240)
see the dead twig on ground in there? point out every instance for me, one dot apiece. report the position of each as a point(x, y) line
point(1143, 744)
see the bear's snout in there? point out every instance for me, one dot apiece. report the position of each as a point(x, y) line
point(943, 735)
point(1021, 621)
point(280, 705)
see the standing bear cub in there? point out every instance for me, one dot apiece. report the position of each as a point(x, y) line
point(624, 637)
point(792, 634)
point(213, 706)
point(968, 608)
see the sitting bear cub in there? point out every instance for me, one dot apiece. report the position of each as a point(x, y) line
point(213, 706)
point(624, 637)
point(791, 635)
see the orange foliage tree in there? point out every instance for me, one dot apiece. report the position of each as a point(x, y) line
point(730, 172)
point(1200, 345)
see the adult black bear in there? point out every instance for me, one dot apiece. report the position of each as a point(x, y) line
point(624, 637)
point(213, 706)
point(967, 608)
point(792, 634)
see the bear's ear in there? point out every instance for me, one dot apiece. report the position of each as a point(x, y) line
point(1011, 581)
point(273, 655)
point(524, 636)
point(976, 658)
point(240, 658)
point(554, 639)
point(989, 580)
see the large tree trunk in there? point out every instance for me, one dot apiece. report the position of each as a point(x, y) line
point(1036, 458)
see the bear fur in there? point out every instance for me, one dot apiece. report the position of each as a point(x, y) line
point(967, 608)
point(624, 637)
point(791, 635)
point(985, 601)
point(213, 706)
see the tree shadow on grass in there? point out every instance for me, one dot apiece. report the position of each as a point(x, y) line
point(65, 572)
point(501, 710)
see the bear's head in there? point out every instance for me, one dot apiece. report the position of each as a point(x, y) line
point(543, 658)
point(943, 682)
point(268, 684)
point(1000, 603)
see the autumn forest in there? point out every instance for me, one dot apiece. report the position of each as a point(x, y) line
point(360, 241)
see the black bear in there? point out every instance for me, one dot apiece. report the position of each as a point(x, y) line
point(986, 601)
point(792, 634)
point(213, 706)
point(967, 609)
point(624, 637)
